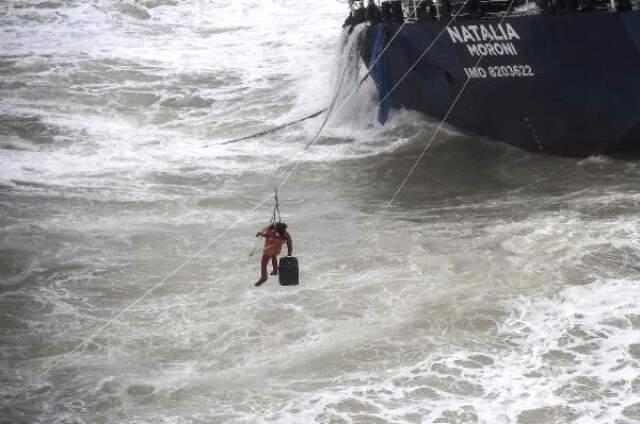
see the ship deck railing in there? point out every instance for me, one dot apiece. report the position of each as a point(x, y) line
point(492, 9)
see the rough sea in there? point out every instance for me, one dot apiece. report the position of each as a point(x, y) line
point(500, 286)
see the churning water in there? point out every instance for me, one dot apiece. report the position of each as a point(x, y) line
point(500, 286)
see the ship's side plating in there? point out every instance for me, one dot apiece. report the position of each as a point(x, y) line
point(564, 84)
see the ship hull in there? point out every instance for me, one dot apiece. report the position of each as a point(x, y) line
point(560, 84)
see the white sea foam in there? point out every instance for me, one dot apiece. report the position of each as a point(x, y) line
point(500, 287)
point(556, 362)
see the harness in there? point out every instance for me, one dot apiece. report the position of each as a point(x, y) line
point(275, 219)
point(276, 210)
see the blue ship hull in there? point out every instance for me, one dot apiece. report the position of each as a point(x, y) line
point(560, 84)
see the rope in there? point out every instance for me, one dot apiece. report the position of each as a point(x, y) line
point(283, 126)
point(276, 209)
point(131, 305)
point(182, 265)
point(233, 224)
point(370, 69)
point(446, 116)
point(269, 131)
point(319, 132)
point(288, 124)
point(428, 48)
point(327, 109)
point(275, 217)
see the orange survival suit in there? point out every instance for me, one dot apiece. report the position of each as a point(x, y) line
point(272, 247)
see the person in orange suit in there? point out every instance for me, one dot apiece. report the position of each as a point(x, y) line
point(275, 236)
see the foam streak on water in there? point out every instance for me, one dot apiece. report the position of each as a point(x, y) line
point(500, 287)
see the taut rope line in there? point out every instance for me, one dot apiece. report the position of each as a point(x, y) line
point(235, 223)
point(288, 124)
point(446, 116)
point(269, 131)
point(375, 62)
point(160, 283)
point(134, 303)
point(369, 68)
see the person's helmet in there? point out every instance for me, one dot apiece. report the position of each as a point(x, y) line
point(281, 228)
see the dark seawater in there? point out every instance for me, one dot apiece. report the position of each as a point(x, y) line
point(499, 287)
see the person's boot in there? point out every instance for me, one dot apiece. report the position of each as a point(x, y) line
point(261, 281)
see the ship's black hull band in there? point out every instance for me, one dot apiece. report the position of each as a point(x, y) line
point(562, 84)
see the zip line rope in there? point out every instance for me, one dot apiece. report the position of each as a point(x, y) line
point(276, 209)
point(132, 304)
point(313, 115)
point(288, 124)
point(369, 70)
point(269, 131)
point(427, 49)
point(446, 116)
point(275, 217)
point(375, 62)
point(161, 282)
point(258, 205)
point(333, 102)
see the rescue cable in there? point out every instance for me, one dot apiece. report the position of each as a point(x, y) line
point(275, 219)
point(162, 281)
point(269, 131)
point(276, 209)
point(288, 124)
point(329, 109)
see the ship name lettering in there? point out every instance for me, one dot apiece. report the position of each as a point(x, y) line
point(482, 33)
point(492, 49)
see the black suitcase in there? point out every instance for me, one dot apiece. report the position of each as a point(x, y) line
point(288, 271)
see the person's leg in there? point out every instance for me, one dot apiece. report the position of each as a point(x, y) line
point(263, 270)
point(274, 265)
